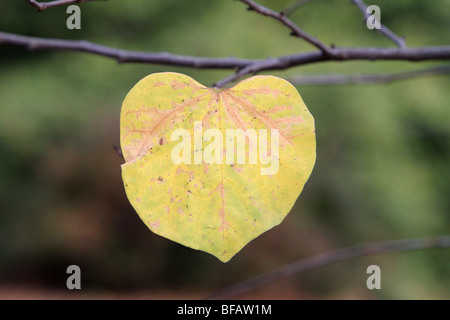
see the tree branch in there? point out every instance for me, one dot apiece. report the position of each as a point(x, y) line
point(399, 41)
point(327, 259)
point(295, 30)
point(122, 56)
point(244, 66)
point(338, 79)
point(340, 54)
point(40, 6)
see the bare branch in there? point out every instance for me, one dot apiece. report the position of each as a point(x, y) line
point(340, 54)
point(40, 6)
point(250, 69)
point(399, 41)
point(122, 56)
point(328, 259)
point(244, 66)
point(338, 79)
point(295, 30)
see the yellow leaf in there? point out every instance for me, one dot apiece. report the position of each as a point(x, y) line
point(212, 168)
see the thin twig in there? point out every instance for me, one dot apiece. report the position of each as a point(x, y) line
point(244, 66)
point(399, 41)
point(40, 6)
point(295, 30)
point(327, 259)
point(250, 69)
point(339, 79)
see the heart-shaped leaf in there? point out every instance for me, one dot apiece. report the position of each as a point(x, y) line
point(212, 168)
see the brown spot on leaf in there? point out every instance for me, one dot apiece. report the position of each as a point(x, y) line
point(159, 84)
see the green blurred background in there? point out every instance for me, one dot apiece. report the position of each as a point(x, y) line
point(382, 168)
